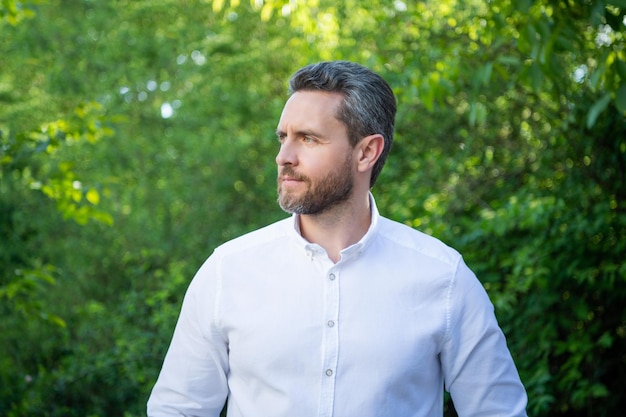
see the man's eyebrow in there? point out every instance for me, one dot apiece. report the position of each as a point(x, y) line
point(305, 132)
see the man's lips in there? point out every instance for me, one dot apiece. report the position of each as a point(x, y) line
point(287, 181)
point(288, 176)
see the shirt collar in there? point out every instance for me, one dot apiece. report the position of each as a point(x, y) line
point(312, 249)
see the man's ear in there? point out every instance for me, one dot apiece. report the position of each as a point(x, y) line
point(370, 148)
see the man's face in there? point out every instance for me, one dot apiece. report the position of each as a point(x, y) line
point(315, 161)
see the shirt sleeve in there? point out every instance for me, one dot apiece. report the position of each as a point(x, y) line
point(479, 371)
point(193, 378)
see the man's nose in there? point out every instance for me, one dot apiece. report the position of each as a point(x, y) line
point(286, 154)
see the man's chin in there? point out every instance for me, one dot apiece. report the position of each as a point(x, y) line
point(292, 205)
point(289, 206)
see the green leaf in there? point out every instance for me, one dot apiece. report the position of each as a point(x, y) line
point(508, 60)
point(484, 73)
point(536, 76)
point(606, 340)
point(218, 5)
point(599, 391)
point(597, 108)
point(621, 68)
point(54, 319)
point(597, 13)
point(93, 196)
point(620, 98)
point(596, 76)
point(617, 3)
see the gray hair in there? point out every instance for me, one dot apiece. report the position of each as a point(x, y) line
point(368, 107)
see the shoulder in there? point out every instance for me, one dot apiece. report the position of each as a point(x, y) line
point(265, 236)
point(405, 238)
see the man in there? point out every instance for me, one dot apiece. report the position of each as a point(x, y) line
point(336, 311)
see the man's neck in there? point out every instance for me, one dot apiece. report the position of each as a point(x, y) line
point(338, 227)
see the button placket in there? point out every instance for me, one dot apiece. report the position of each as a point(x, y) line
point(330, 348)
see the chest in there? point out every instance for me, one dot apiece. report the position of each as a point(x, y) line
point(288, 318)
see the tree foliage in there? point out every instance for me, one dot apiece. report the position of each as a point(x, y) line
point(136, 136)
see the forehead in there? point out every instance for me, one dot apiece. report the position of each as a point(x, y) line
point(311, 108)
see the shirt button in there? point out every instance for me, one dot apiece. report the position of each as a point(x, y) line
point(331, 277)
point(331, 323)
point(329, 372)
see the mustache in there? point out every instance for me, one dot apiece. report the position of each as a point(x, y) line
point(290, 172)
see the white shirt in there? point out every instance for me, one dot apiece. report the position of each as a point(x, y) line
point(270, 322)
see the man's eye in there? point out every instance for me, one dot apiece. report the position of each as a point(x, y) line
point(308, 139)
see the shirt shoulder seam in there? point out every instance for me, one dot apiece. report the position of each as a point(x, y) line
point(451, 285)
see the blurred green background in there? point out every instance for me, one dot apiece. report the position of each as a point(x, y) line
point(135, 136)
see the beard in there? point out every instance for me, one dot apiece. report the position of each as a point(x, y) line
point(320, 195)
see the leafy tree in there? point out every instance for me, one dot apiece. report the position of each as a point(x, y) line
point(510, 147)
